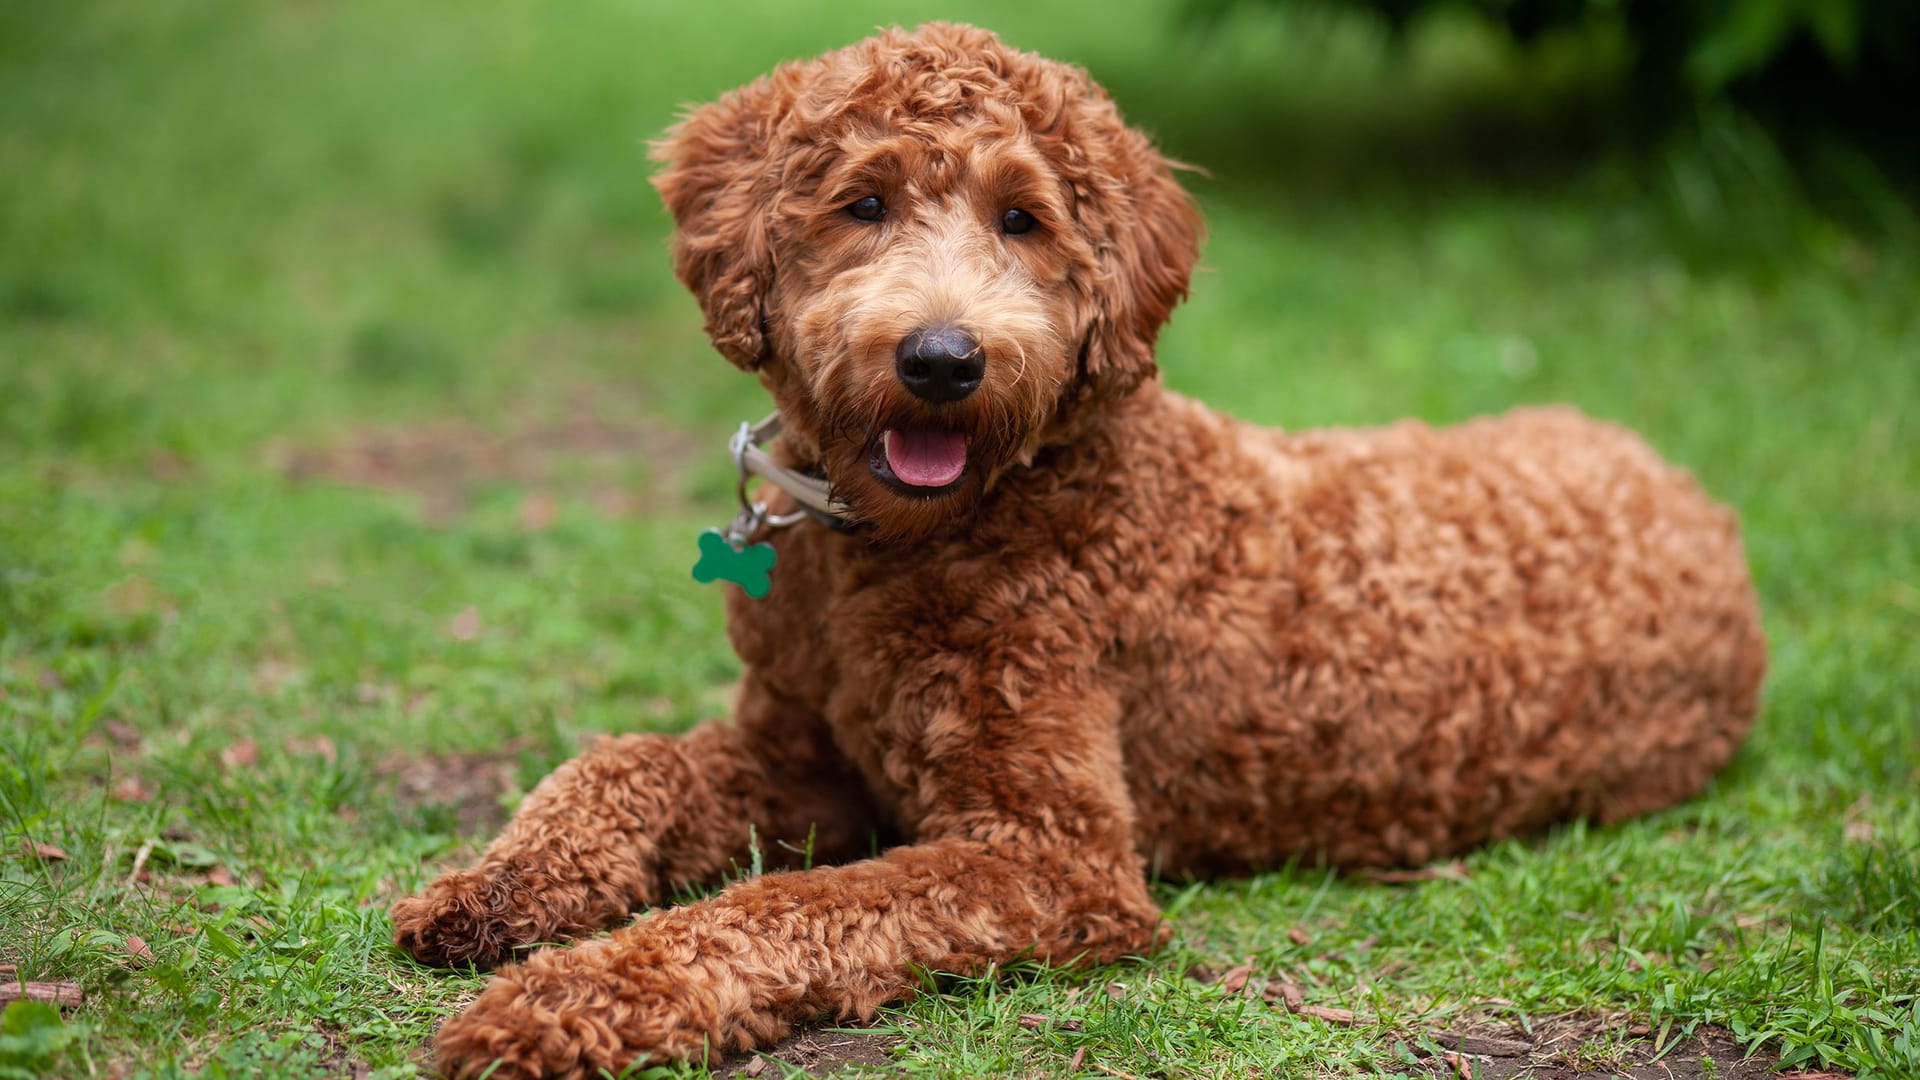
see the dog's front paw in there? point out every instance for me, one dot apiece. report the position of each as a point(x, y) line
point(466, 917)
point(570, 1013)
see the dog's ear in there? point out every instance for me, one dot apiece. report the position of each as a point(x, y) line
point(1147, 233)
point(717, 165)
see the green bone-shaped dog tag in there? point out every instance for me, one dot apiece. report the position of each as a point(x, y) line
point(747, 567)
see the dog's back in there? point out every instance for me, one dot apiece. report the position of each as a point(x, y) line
point(1382, 646)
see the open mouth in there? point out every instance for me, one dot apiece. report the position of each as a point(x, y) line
point(920, 460)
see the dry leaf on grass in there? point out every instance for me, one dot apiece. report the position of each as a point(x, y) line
point(132, 789)
point(241, 754)
point(66, 995)
point(755, 1067)
point(137, 950)
point(1235, 980)
point(1298, 936)
point(1331, 1016)
point(45, 852)
point(465, 626)
point(1286, 993)
point(1078, 1058)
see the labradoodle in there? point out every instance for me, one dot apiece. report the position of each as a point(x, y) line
point(1059, 628)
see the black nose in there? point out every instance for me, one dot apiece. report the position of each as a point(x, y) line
point(940, 363)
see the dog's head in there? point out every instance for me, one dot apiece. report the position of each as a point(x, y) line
point(935, 251)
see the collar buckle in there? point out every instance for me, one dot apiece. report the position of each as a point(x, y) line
point(749, 460)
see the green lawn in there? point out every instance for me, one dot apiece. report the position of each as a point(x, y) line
point(354, 436)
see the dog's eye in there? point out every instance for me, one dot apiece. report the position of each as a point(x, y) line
point(868, 209)
point(1015, 222)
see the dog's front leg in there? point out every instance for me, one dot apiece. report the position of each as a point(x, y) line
point(1025, 850)
point(614, 829)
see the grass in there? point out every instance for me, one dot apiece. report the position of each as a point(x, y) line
point(253, 704)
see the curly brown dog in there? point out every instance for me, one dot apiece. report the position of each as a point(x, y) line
point(1074, 629)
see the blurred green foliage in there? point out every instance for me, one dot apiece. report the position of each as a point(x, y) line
point(1710, 45)
point(32, 1039)
point(1807, 68)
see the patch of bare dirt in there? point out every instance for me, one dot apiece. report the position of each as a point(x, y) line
point(581, 453)
point(817, 1052)
point(471, 786)
point(1580, 1047)
point(1570, 1046)
point(337, 1059)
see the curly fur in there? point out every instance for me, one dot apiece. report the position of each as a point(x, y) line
point(1137, 637)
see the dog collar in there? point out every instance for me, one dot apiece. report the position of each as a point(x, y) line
point(729, 554)
point(749, 460)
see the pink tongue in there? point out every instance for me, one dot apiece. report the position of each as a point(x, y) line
point(926, 458)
